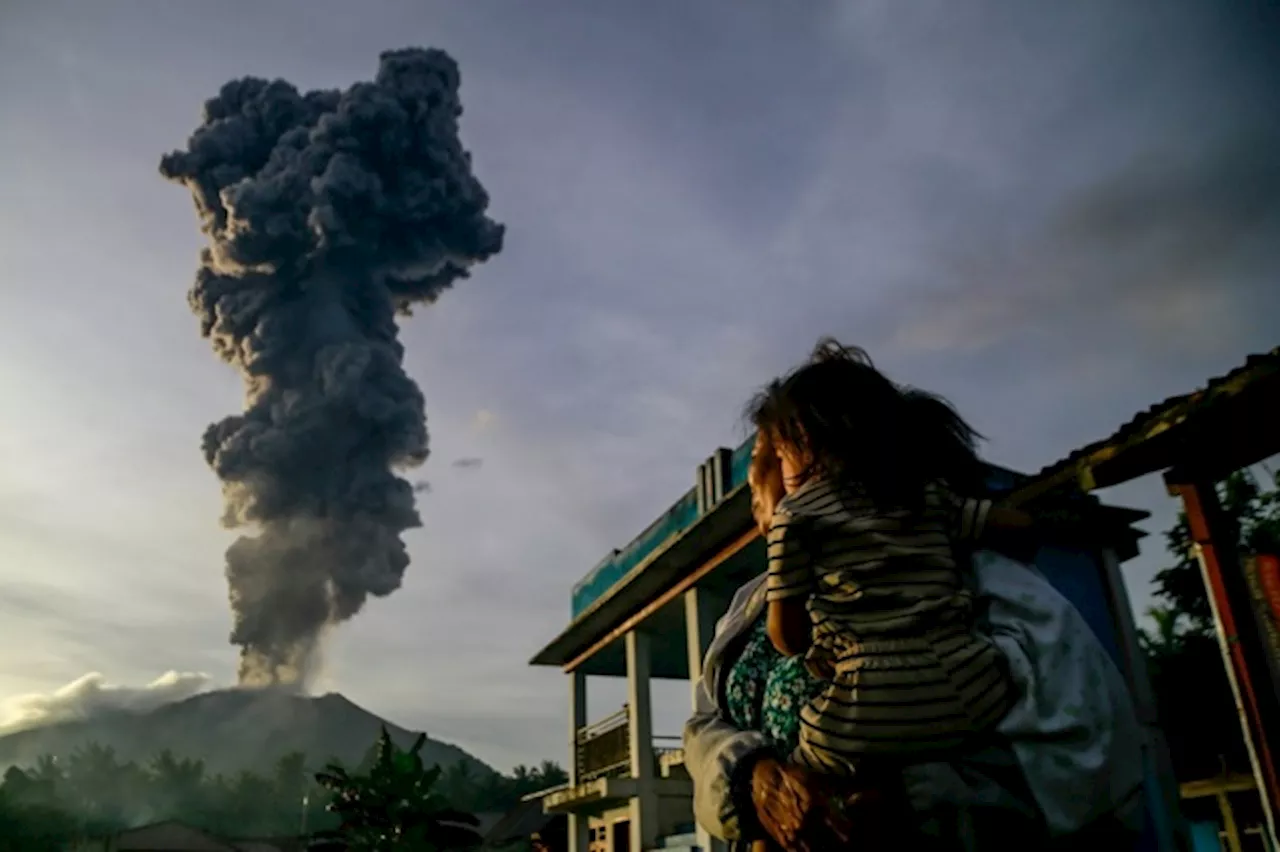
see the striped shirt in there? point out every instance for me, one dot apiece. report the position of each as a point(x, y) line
point(892, 619)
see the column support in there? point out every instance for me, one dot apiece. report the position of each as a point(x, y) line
point(701, 609)
point(579, 838)
point(644, 805)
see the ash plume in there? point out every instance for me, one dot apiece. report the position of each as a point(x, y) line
point(328, 213)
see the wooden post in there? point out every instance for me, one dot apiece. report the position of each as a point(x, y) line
point(1215, 536)
point(1156, 749)
point(1221, 788)
point(1228, 822)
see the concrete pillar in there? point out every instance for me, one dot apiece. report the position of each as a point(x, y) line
point(644, 805)
point(578, 836)
point(701, 610)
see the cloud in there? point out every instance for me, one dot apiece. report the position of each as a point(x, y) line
point(92, 694)
point(1171, 243)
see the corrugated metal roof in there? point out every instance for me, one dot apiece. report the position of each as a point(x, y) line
point(1171, 412)
point(518, 824)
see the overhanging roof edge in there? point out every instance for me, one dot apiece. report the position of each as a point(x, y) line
point(564, 646)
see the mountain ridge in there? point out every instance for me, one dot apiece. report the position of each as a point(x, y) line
point(230, 730)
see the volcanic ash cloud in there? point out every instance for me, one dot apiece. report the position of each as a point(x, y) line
point(328, 213)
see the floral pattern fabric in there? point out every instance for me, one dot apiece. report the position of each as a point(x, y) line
point(764, 690)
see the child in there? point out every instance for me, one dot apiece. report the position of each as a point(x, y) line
point(866, 551)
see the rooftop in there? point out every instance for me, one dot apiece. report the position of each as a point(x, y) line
point(1230, 423)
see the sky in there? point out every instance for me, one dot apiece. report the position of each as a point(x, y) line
point(1053, 214)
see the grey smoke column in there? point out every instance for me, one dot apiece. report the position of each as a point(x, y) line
point(328, 213)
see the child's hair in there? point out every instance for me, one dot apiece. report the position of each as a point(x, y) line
point(855, 425)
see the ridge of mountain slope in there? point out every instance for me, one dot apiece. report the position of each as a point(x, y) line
point(230, 730)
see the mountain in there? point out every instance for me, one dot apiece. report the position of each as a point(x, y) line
point(231, 730)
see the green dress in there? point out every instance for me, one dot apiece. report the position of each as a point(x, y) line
point(764, 690)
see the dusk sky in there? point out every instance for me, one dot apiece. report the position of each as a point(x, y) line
point(1055, 214)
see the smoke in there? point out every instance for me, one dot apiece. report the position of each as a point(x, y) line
point(327, 213)
point(469, 463)
point(92, 694)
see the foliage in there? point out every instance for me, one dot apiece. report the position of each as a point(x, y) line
point(1255, 507)
point(92, 792)
point(497, 793)
point(1193, 694)
point(393, 806)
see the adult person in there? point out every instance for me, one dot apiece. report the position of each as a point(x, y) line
point(1065, 769)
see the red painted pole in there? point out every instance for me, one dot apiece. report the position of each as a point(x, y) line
point(1235, 629)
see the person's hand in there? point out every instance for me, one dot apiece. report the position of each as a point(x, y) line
point(795, 809)
point(840, 817)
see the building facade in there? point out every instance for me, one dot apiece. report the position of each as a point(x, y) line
point(648, 611)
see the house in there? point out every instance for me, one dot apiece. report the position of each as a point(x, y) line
point(525, 822)
point(1196, 440)
point(175, 836)
point(648, 611)
point(168, 836)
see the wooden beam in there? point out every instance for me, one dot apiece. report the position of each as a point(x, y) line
point(1233, 783)
point(687, 582)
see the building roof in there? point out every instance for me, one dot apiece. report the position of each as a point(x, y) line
point(167, 836)
point(271, 844)
point(1230, 422)
point(519, 823)
point(172, 835)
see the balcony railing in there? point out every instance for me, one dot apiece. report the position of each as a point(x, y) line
point(604, 748)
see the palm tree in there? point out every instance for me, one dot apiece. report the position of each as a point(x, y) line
point(551, 773)
point(177, 785)
point(93, 774)
point(393, 807)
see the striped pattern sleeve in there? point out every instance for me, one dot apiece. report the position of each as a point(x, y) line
point(968, 518)
point(790, 562)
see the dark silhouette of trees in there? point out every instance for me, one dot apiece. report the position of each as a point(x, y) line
point(92, 792)
point(1197, 711)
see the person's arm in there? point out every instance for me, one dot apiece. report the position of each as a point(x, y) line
point(721, 760)
point(982, 524)
point(789, 586)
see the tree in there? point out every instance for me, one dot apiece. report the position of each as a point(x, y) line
point(30, 818)
point(91, 793)
point(393, 806)
point(1255, 507)
point(177, 786)
point(1197, 710)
